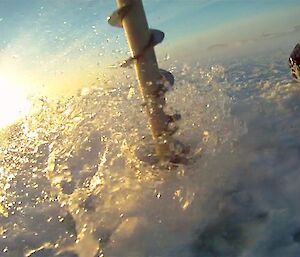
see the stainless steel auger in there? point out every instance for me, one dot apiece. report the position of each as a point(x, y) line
point(130, 15)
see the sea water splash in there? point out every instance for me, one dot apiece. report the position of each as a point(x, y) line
point(72, 186)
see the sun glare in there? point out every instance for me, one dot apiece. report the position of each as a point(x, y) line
point(13, 100)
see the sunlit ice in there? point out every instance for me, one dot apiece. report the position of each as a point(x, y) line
point(13, 100)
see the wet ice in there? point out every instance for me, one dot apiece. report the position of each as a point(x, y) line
point(71, 179)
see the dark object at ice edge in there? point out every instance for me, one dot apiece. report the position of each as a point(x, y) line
point(294, 62)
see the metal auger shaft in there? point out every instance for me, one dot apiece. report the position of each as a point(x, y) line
point(141, 40)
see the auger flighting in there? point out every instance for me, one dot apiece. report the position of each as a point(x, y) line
point(152, 81)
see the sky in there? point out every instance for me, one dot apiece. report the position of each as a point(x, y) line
point(53, 47)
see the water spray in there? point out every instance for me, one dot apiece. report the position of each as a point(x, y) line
point(153, 81)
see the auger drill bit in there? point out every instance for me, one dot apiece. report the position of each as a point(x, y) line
point(130, 15)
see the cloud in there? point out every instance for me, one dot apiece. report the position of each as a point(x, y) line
point(296, 28)
point(255, 39)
